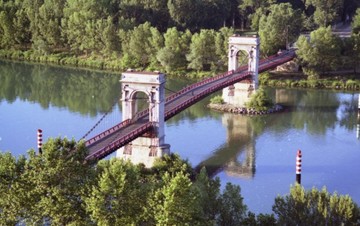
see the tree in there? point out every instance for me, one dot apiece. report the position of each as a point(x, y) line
point(173, 55)
point(199, 14)
point(213, 13)
point(255, 9)
point(356, 22)
point(232, 210)
point(118, 195)
point(141, 45)
point(7, 30)
point(86, 21)
point(315, 207)
point(184, 13)
point(51, 13)
point(153, 11)
point(202, 47)
point(279, 28)
point(10, 169)
point(48, 187)
point(326, 11)
point(177, 200)
point(260, 101)
point(210, 197)
point(321, 52)
point(222, 48)
point(171, 164)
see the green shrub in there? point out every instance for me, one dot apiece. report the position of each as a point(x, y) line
point(264, 78)
point(337, 84)
point(217, 100)
point(260, 101)
point(303, 83)
point(352, 84)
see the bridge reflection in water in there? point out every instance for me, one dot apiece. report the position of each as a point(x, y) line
point(237, 156)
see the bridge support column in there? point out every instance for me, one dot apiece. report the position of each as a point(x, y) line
point(152, 145)
point(239, 93)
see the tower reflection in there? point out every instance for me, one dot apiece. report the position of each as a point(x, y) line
point(237, 156)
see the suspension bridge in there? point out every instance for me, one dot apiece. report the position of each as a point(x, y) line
point(121, 134)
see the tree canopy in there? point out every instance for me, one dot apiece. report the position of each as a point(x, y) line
point(59, 187)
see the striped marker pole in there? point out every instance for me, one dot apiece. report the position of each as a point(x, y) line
point(358, 125)
point(39, 140)
point(298, 167)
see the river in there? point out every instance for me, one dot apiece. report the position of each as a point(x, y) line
point(258, 153)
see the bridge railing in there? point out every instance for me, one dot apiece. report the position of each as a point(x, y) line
point(204, 93)
point(197, 84)
point(277, 62)
point(107, 132)
point(103, 152)
point(180, 107)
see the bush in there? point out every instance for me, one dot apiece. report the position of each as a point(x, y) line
point(264, 78)
point(217, 100)
point(352, 84)
point(260, 101)
point(337, 84)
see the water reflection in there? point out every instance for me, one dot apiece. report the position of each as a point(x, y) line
point(311, 111)
point(237, 156)
point(86, 92)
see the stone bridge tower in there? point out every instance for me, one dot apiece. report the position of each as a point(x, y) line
point(152, 145)
point(239, 93)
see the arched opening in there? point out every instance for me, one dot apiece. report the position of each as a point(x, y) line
point(242, 58)
point(141, 102)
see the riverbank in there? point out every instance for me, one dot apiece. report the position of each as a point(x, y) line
point(64, 59)
point(337, 80)
point(90, 62)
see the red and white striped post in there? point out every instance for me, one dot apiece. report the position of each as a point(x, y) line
point(39, 140)
point(298, 167)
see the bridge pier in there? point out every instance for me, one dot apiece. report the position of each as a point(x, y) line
point(239, 93)
point(151, 145)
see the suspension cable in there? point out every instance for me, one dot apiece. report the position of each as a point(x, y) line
point(100, 120)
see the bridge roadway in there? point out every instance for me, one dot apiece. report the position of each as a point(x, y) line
point(112, 139)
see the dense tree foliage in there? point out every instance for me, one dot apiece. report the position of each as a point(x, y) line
point(326, 11)
point(260, 101)
point(315, 207)
point(161, 35)
point(319, 53)
point(279, 28)
point(58, 187)
point(45, 188)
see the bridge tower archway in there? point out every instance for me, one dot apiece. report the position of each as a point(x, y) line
point(240, 92)
point(152, 145)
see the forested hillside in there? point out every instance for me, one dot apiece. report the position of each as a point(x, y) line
point(171, 35)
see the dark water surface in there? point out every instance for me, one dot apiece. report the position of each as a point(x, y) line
point(258, 153)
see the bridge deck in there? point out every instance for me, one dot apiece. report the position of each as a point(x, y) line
point(110, 140)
